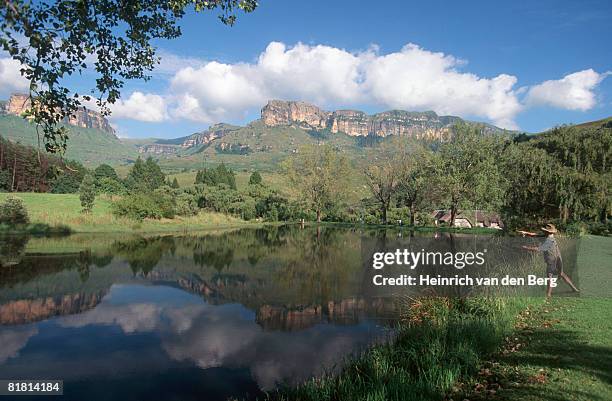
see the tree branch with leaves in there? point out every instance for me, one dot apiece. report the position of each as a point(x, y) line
point(54, 40)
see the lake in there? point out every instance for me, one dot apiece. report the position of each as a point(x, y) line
point(189, 317)
point(194, 317)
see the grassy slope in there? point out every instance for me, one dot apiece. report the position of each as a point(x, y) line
point(89, 146)
point(64, 209)
point(567, 352)
point(270, 146)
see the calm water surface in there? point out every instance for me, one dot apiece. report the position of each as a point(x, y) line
point(201, 317)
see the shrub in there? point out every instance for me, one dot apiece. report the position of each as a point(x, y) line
point(141, 206)
point(13, 212)
point(111, 186)
point(255, 178)
point(87, 193)
point(186, 205)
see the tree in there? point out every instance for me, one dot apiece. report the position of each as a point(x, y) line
point(105, 171)
point(111, 187)
point(175, 184)
point(255, 178)
point(145, 176)
point(320, 174)
point(13, 212)
point(111, 38)
point(383, 179)
point(466, 170)
point(67, 180)
point(87, 193)
point(562, 174)
point(414, 186)
point(216, 176)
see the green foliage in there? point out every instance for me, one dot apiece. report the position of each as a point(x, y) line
point(562, 175)
point(467, 174)
point(111, 186)
point(175, 184)
point(54, 40)
point(186, 204)
point(87, 145)
point(5, 180)
point(255, 178)
point(221, 175)
point(68, 180)
point(257, 201)
point(105, 171)
point(13, 212)
point(320, 174)
point(140, 206)
point(87, 193)
point(145, 176)
point(441, 342)
point(384, 178)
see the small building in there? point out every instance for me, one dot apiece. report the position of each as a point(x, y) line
point(469, 219)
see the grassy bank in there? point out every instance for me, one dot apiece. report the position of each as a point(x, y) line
point(57, 212)
point(489, 348)
point(440, 342)
point(561, 350)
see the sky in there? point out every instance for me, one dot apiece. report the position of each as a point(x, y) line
point(521, 65)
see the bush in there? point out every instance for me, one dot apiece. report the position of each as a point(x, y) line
point(186, 205)
point(255, 178)
point(111, 186)
point(141, 206)
point(87, 193)
point(13, 212)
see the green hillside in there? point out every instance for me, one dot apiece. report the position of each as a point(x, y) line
point(89, 146)
point(258, 147)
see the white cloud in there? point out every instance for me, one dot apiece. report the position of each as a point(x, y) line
point(170, 63)
point(413, 78)
point(10, 77)
point(140, 106)
point(572, 92)
point(13, 339)
point(417, 79)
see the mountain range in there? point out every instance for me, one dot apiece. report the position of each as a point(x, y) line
point(284, 126)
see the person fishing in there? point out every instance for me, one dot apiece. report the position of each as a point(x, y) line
point(552, 256)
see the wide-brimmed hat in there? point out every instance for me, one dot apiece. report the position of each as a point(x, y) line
point(550, 228)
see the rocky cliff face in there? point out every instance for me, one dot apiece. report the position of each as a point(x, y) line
point(427, 125)
point(205, 137)
point(84, 118)
point(33, 310)
point(346, 311)
point(280, 112)
point(198, 139)
point(158, 149)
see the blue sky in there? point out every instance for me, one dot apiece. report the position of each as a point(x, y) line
point(522, 64)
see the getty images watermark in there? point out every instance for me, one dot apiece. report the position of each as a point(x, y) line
point(437, 260)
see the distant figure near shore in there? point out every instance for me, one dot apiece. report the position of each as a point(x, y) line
point(552, 256)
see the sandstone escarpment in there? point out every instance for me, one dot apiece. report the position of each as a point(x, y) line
point(157, 149)
point(205, 137)
point(33, 310)
point(280, 112)
point(84, 118)
point(426, 125)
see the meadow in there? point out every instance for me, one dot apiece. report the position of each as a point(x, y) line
point(64, 210)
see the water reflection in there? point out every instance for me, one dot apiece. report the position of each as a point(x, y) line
point(225, 314)
point(197, 316)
